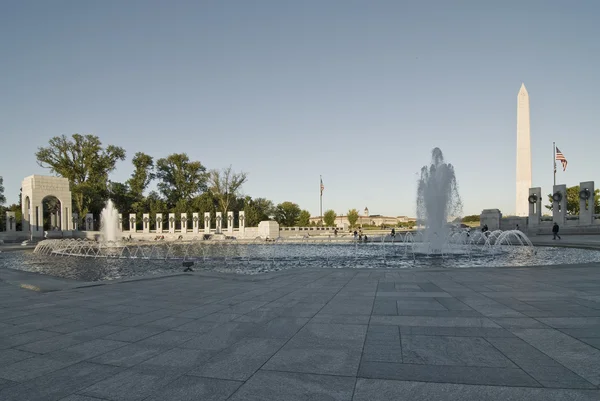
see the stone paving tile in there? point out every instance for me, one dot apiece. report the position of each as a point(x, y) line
point(385, 390)
point(573, 354)
point(86, 350)
point(77, 397)
point(9, 356)
point(6, 383)
point(168, 323)
point(180, 358)
point(456, 331)
point(167, 339)
point(60, 383)
point(127, 356)
point(31, 368)
point(221, 336)
point(277, 386)
point(241, 360)
point(190, 388)
point(134, 334)
point(132, 384)
point(280, 327)
point(340, 319)
point(434, 321)
point(571, 322)
point(452, 351)
point(446, 374)
point(593, 341)
point(24, 338)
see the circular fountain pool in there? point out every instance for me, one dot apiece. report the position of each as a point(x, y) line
point(90, 261)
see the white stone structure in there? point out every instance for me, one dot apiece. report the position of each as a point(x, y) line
point(132, 223)
point(491, 217)
point(146, 223)
point(158, 223)
point(219, 222)
point(35, 189)
point(242, 222)
point(206, 222)
point(535, 206)
point(184, 225)
point(268, 229)
point(523, 153)
point(195, 222)
point(171, 223)
point(230, 223)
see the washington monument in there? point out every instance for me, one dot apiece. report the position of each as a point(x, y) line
point(523, 152)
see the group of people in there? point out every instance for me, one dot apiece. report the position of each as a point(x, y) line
point(359, 235)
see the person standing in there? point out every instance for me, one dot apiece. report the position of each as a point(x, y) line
point(555, 229)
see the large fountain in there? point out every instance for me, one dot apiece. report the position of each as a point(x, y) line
point(437, 199)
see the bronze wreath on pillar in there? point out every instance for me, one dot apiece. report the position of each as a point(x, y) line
point(557, 196)
point(585, 194)
point(532, 199)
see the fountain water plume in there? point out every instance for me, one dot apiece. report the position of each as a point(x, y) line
point(110, 222)
point(437, 199)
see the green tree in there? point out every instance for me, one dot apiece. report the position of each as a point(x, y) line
point(471, 218)
point(86, 164)
point(304, 219)
point(2, 197)
point(573, 201)
point(225, 185)
point(143, 174)
point(257, 210)
point(121, 197)
point(329, 218)
point(180, 178)
point(352, 217)
point(287, 213)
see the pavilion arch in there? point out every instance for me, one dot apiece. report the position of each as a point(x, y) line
point(34, 189)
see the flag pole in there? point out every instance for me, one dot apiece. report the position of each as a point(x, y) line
point(554, 159)
point(321, 199)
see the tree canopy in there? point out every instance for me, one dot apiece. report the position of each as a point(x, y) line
point(352, 217)
point(225, 185)
point(2, 197)
point(287, 214)
point(304, 218)
point(573, 201)
point(257, 210)
point(179, 178)
point(85, 163)
point(329, 218)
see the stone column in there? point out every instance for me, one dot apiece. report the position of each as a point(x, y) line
point(491, 217)
point(158, 223)
point(206, 222)
point(219, 222)
point(120, 218)
point(172, 223)
point(230, 222)
point(195, 222)
point(535, 206)
point(89, 222)
point(586, 206)
point(146, 223)
point(559, 204)
point(65, 217)
point(132, 225)
point(242, 219)
point(11, 222)
point(75, 221)
point(184, 221)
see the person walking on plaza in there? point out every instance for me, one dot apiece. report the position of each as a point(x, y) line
point(555, 229)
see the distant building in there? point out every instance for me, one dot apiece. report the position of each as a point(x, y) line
point(369, 220)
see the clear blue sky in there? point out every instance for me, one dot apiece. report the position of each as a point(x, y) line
point(356, 91)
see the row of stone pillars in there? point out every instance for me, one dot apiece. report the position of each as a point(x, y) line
point(559, 204)
point(187, 225)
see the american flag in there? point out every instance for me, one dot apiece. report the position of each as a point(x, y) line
point(322, 187)
point(561, 157)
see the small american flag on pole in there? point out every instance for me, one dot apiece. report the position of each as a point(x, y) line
point(322, 186)
point(561, 157)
